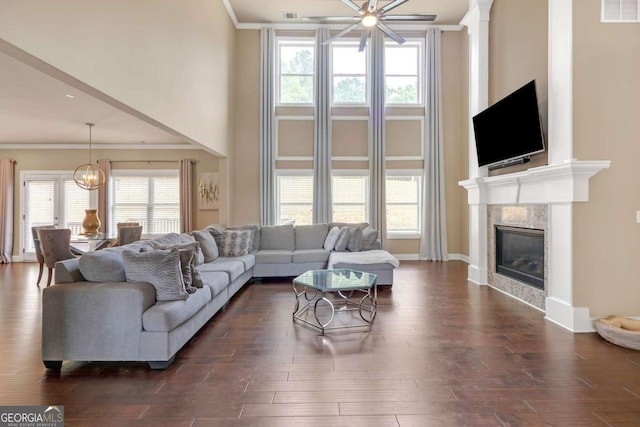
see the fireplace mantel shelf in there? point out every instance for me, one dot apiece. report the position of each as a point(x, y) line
point(564, 182)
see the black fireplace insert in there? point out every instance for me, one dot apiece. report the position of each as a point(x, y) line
point(520, 254)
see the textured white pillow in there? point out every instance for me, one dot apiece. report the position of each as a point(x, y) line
point(237, 243)
point(332, 238)
point(161, 268)
point(343, 239)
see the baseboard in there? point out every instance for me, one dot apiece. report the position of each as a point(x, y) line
point(459, 257)
point(17, 258)
point(574, 319)
point(407, 257)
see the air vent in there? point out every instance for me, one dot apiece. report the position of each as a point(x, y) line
point(290, 15)
point(620, 10)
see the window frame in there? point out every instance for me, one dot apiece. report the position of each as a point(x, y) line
point(290, 173)
point(367, 76)
point(413, 234)
point(353, 172)
point(151, 173)
point(419, 45)
point(290, 42)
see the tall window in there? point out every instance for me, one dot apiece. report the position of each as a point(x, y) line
point(402, 73)
point(151, 198)
point(403, 203)
point(294, 197)
point(349, 73)
point(350, 194)
point(295, 71)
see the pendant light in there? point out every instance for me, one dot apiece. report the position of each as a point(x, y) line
point(89, 176)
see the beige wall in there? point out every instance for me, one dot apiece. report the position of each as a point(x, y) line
point(463, 157)
point(518, 51)
point(172, 61)
point(66, 160)
point(606, 102)
point(246, 155)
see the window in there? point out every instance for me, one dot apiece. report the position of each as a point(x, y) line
point(294, 197)
point(350, 196)
point(403, 203)
point(151, 198)
point(402, 73)
point(295, 71)
point(620, 11)
point(349, 73)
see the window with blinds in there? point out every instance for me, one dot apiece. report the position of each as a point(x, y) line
point(620, 10)
point(294, 197)
point(403, 204)
point(150, 198)
point(350, 195)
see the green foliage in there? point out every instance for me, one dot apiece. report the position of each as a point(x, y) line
point(350, 90)
point(407, 94)
point(297, 89)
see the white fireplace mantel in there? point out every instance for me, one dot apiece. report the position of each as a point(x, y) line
point(564, 182)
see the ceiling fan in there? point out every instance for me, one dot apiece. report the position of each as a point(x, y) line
point(370, 16)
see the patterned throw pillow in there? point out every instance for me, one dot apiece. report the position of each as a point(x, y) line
point(343, 240)
point(369, 237)
point(237, 243)
point(160, 268)
point(355, 240)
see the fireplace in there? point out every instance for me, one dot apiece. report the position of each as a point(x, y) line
point(520, 254)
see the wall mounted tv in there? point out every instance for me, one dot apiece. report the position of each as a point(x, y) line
point(509, 131)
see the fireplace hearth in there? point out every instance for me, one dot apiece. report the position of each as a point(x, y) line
point(520, 254)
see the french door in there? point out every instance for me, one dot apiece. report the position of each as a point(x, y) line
point(52, 199)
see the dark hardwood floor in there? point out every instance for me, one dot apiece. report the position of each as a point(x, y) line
point(441, 353)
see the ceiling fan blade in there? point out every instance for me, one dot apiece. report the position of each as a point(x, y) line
point(388, 31)
point(333, 19)
point(363, 39)
point(372, 5)
point(352, 5)
point(410, 17)
point(342, 33)
point(392, 5)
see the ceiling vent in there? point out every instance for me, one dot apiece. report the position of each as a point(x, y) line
point(290, 15)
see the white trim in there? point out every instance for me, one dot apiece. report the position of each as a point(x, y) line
point(144, 172)
point(408, 118)
point(406, 257)
point(458, 257)
point(18, 258)
point(313, 26)
point(302, 41)
point(351, 117)
point(277, 134)
point(403, 236)
point(232, 14)
point(136, 146)
point(574, 319)
point(350, 159)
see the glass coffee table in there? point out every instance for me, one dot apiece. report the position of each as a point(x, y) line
point(323, 294)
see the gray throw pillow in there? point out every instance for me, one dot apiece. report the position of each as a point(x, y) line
point(102, 266)
point(355, 239)
point(237, 243)
point(217, 231)
point(195, 245)
point(160, 268)
point(332, 238)
point(186, 259)
point(369, 237)
point(343, 240)
point(196, 279)
point(207, 244)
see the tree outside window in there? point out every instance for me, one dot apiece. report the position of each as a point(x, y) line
point(296, 61)
point(402, 73)
point(349, 73)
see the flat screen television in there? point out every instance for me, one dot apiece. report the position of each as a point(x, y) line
point(510, 130)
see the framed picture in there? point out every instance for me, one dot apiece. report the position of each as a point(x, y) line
point(208, 191)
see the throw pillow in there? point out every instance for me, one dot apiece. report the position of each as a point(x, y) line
point(160, 268)
point(207, 244)
point(217, 231)
point(332, 238)
point(186, 259)
point(355, 239)
point(369, 237)
point(237, 243)
point(343, 240)
point(196, 279)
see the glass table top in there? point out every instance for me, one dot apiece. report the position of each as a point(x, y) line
point(336, 280)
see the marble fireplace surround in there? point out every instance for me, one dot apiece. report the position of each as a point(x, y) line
point(558, 186)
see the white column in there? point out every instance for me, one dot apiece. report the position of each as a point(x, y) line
point(477, 22)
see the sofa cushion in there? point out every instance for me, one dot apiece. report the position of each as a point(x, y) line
point(361, 225)
point(233, 268)
point(311, 236)
point(166, 240)
point(355, 239)
point(332, 238)
point(256, 233)
point(278, 237)
point(272, 256)
point(160, 268)
point(237, 243)
point(216, 281)
point(343, 239)
point(166, 316)
point(310, 255)
point(207, 244)
point(248, 260)
point(102, 266)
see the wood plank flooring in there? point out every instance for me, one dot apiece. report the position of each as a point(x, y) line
point(440, 353)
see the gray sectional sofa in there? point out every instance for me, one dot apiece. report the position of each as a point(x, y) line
point(96, 312)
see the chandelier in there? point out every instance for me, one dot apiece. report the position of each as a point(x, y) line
point(89, 176)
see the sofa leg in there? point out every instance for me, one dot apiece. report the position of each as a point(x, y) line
point(53, 364)
point(161, 364)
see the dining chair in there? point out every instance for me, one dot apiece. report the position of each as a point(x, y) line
point(128, 235)
point(56, 246)
point(38, 248)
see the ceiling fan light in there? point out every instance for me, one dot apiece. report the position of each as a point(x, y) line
point(369, 20)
